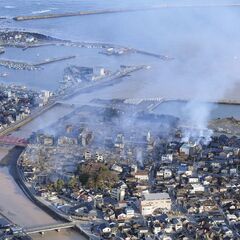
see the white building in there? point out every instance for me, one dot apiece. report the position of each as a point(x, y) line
point(116, 168)
point(164, 173)
point(129, 212)
point(197, 188)
point(153, 201)
point(87, 155)
point(45, 95)
point(142, 175)
point(167, 158)
point(157, 228)
point(189, 148)
point(193, 180)
point(118, 192)
point(148, 137)
point(99, 157)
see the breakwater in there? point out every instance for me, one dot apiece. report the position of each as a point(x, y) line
point(221, 101)
point(112, 11)
point(31, 66)
point(53, 60)
point(72, 14)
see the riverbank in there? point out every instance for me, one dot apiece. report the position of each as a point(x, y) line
point(14, 204)
point(4, 159)
point(18, 176)
point(17, 207)
point(14, 155)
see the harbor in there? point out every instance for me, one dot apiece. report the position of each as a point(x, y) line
point(27, 40)
point(153, 67)
point(69, 93)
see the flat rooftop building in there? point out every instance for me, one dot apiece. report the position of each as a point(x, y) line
point(153, 201)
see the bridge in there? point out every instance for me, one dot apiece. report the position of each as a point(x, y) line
point(9, 140)
point(50, 227)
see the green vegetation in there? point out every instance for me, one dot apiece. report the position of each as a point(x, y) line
point(83, 178)
point(97, 176)
point(58, 185)
point(72, 183)
point(91, 175)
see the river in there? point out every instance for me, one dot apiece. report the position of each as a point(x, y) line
point(20, 210)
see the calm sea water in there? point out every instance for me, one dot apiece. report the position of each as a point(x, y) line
point(179, 108)
point(205, 43)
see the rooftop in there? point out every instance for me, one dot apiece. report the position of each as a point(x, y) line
point(155, 196)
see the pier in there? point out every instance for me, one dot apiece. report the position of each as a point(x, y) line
point(162, 57)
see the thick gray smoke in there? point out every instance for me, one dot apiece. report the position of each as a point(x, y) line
point(204, 42)
point(215, 81)
point(197, 115)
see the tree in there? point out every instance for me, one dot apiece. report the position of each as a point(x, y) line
point(98, 176)
point(83, 178)
point(104, 178)
point(73, 183)
point(50, 187)
point(58, 185)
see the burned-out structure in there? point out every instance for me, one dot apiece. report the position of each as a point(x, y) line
point(132, 170)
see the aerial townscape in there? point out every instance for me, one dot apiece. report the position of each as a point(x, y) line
point(131, 135)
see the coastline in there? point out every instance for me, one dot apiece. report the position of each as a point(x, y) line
point(46, 40)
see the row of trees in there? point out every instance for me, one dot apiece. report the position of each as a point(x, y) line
point(99, 177)
point(60, 184)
